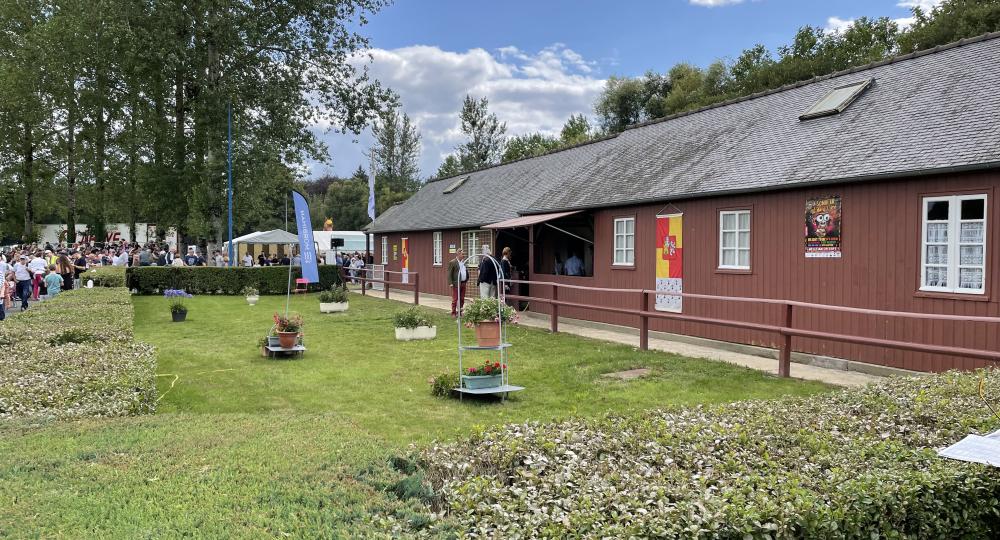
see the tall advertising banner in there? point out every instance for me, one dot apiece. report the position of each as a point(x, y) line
point(307, 246)
point(669, 261)
point(406, 259)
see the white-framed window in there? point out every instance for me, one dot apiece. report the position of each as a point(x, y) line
point(953, 244)
point(624, 254)
point(438, 256)
point(385, 250)
point(734, 239)
point(471, 243)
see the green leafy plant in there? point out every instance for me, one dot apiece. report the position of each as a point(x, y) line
point(442, 385)
point(488, 310)
point(411, 318)
point(228, 281)
point(249, 291)
point(177, 298)
point(488, 368)
point(292, 323)
point(336, 294)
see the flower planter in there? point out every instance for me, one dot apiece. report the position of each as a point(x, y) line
point(488, 334)
point(420, 332)
point(178, 316)
point(477, 382)
point(287, 340)
point(332, 307)
point(252, 300)
point(272, 341)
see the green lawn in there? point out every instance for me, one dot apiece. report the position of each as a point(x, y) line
point(246, 446)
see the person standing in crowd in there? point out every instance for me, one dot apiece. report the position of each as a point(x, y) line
point(171, 255)
point(297, 260)
point(574, 266)
point(23, 277)
point(488, 268)
point(458, 276)
point(247, 260)
point(37, 268)
point(79, 267)
point(53, 282)
point(192, 258)
point(285, 261)
point(4, 267)
point(218, 259)
point(505, 268)
point(178, 262)
point(10, 289)
point(161, 258)
point(145, 257)
point(358, 265)
point(65, 268)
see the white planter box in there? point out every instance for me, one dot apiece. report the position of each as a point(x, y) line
point(252, 300)
point(332, 307)
point(420, 332)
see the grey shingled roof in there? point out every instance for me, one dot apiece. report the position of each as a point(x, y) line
point(931, 111)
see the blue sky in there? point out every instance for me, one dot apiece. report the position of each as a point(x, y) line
point(539, 62)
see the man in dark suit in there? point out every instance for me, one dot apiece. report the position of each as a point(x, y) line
point(488, 270)
point(458, 276)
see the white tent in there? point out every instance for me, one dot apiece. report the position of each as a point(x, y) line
point(276, 236)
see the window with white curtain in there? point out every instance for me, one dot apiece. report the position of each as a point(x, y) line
point(438, 256)
point(953, 244)
point(624, 242)
point(471, 242)
point(734, 239)
point(385, 250)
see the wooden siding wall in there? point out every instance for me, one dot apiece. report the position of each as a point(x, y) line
point(879, 269)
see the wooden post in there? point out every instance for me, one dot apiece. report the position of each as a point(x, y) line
point(554, 318)
point(643, 323)
point(364, 286)
point(385, 284)
point(416, 288)
point(785, 353)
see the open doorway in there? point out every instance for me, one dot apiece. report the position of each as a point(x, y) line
point(517, 240)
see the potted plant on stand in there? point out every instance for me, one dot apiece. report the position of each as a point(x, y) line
point(288, 329)
point(252, 295)
point(413, 324)
point(485, 315)
point(333, 300)
point(488, 375)
point(178, 309)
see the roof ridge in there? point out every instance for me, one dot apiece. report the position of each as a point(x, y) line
point(856, 69)
point(546, 153)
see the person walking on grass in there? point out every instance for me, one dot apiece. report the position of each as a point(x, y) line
point(23, 277)
point(53, 282)
point(64, 267)
point(458, 276)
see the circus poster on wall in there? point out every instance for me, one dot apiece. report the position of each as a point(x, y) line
point(669, 261)
point(823, 226)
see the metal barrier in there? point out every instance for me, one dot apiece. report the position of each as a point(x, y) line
point(413, 280)
point(785, 330)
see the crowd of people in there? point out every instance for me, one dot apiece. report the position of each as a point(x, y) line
point(492, 272)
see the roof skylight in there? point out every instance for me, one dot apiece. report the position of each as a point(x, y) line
point(456, 184)
point(836, 100)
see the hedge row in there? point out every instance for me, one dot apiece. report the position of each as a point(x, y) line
point(230, 281)
point(852, 464)
point(105, 276)
point(75, 356)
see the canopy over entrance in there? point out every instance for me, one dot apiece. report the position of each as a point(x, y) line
point(524, 221)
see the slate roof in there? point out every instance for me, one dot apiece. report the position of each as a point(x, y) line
point(926, 112)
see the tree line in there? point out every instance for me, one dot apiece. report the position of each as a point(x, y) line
point(116, 110)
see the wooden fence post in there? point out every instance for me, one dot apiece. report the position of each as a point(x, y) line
point(364, 286)
point(643, 323)
point(554, 318)
point(385, 284)
point(416, 288)
point(785, 353)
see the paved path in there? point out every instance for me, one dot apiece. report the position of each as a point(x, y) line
point(802, 371)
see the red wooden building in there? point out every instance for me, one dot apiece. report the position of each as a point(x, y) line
point(871, 188)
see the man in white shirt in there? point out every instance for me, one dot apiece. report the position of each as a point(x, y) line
point(573, 266)
point(247, 260)
point(37, 267)
point(458, 275)
point(23, 277)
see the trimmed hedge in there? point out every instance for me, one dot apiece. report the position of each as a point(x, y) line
point(75, 356)
point(105, 276)
point(851, 464)
point(228, 281)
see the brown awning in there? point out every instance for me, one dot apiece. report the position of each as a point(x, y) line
point(524, 221)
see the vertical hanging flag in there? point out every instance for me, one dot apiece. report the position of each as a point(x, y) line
point(307, 246)
point(371, 192)
point(669, 261)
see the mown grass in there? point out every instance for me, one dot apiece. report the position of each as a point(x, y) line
point(243, 446)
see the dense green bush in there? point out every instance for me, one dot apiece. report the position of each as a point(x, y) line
point(444, 384)
point(230, 281)
point(852, 464)
point(411, 317)
point(335, 295)
point(105, 276)
point(75, 356)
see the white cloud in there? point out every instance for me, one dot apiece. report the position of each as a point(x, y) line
point(530, 91)
point(836, 24)
point(714, 3)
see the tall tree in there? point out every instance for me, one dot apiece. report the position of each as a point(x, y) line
point(396, 152)
point(576, 130)
point(486, 135)
point(529, 145)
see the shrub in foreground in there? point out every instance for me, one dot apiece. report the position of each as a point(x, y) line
point(75, 356)
point(229, 281)
point(856, 463)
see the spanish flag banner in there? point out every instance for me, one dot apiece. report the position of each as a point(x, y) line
point(669, 261)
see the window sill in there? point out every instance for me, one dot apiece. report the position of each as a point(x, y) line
point(971, 297)
point(623, 267)
point(733, 271)
point(437, 264)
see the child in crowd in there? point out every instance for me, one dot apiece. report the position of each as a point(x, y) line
point(53, 281)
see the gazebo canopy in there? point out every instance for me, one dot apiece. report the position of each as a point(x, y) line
point(276, 236)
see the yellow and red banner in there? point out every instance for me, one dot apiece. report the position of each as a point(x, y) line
point(669, 261)
point(406, 259)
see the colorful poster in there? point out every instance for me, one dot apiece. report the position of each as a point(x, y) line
point(669, 261)
point(452, 248)
point(406, 259)
point(307, 244)
point(823, 227)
